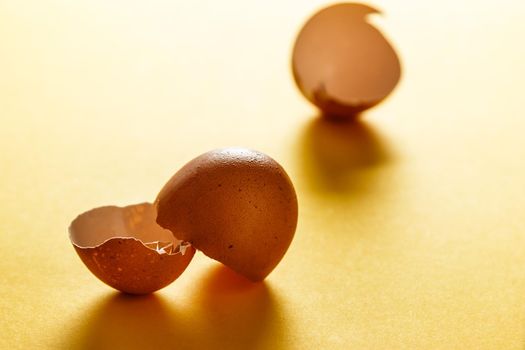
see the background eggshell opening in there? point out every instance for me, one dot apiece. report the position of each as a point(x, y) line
point(342, 63)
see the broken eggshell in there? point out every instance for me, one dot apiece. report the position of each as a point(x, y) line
point(342, 63)
point(237, 206)
point(126, 249)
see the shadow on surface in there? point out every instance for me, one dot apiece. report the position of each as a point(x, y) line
point(122, 321)
point(238, 313)
point(337, 156)
point(226, 311)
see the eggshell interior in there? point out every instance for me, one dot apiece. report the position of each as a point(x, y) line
point(237, 206)
point(127, 249)
point(342, 63)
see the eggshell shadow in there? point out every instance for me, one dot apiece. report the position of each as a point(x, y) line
point(239, 314)
point(122, 321)
point(226, 311)
point(340, 157)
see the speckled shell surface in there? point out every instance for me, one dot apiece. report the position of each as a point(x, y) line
point(237, 206)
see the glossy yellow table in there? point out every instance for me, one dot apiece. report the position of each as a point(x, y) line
point(411, 230)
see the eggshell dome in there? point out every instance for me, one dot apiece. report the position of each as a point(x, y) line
point(237, 206)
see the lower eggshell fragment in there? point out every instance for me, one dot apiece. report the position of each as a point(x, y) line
point(126, 249)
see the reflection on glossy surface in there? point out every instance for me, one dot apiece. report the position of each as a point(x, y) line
point(337, 156)
point(227, 311)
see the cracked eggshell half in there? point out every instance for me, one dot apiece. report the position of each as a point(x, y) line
point(342, 63)
point(126, 249)
point(237, 206)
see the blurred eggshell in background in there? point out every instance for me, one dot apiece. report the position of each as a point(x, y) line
point(126, 249)
point(237, 206)
point(342, 63)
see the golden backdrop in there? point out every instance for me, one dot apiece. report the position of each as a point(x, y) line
point(411, 229)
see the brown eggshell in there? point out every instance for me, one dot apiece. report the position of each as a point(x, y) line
point(126, 249)
point(237, 206)
point(343, 64)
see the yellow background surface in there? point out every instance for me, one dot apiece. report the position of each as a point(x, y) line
point(411, 230)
